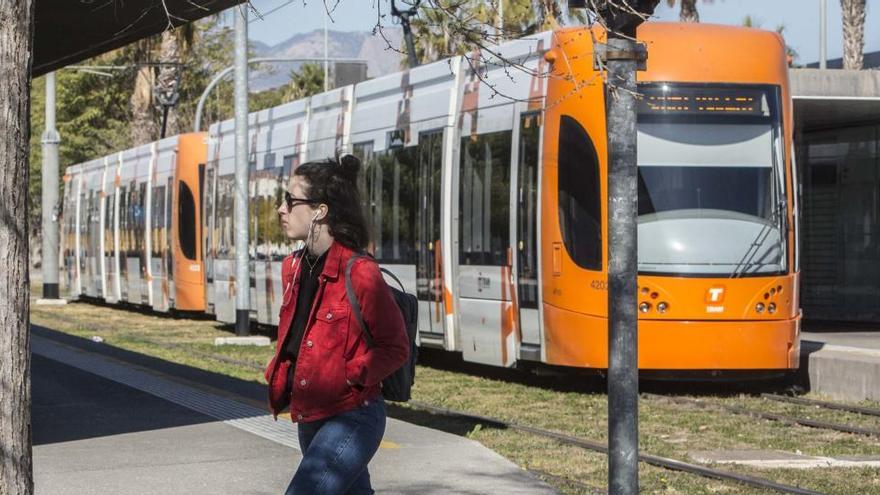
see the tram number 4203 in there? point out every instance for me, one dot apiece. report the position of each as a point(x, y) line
point(599, 285)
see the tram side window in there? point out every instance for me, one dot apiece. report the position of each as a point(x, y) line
point(485, 199)
point(122, 195)
point(134, 212)
point(186, 220)
point(158, 221)
point(224, 227)
point(364, 152)
point(265, 214)
point(208, 200)
point(390, 182)
point(275, 236)
point(108, 224)
point(579, 195)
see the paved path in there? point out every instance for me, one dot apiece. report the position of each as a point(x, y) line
point(108, 425)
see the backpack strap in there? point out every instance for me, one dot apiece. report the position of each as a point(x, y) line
point(352, 299)
point(388, 272)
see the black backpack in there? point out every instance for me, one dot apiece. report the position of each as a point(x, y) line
point(398, 385)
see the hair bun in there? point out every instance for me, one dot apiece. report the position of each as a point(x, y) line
point(350, 165)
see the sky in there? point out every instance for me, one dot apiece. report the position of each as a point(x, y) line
point(284, 18)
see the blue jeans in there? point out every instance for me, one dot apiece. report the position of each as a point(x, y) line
point(336, 451)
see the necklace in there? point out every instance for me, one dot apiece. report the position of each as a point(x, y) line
point(312, 264)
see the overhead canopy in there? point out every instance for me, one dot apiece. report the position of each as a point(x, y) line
point(829, 98)
point(69, 31)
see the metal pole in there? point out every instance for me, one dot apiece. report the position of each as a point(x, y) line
point(410, 45)
point(326, 64)
point(242, 258)
point(823, 34)
point(404, 16)
point(500, 21)
point(623, 373)
point(50, 141)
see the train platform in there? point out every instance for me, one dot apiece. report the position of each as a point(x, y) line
point(841, 360)
point(106, 420)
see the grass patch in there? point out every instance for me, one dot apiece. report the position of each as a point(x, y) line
point(570, 403)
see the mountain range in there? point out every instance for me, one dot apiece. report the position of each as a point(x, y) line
point(381, 59)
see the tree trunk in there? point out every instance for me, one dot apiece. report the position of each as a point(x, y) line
point(16, 33)
point(167, 81)
point(689, 11)
point(853, 33)
point(143, 124)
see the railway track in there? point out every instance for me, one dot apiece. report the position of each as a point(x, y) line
point(782, 418)
point(595, 446)
point(867, 411)
point(662, 462)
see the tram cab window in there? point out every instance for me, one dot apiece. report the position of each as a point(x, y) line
point(712, 192)
point(579, 195)
point(186, 221)
point(485, 199)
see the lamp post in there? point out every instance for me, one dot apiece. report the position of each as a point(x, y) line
point(242, 258)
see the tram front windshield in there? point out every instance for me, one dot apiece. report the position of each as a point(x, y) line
point(711, 181)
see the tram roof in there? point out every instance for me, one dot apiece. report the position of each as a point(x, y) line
point(69, 31)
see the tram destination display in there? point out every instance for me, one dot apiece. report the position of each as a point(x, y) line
point(668, 99)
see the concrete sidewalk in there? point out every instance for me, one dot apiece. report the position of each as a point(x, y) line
point(842, 362)
point(108, 425)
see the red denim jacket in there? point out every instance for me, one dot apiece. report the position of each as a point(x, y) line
point(336, 371)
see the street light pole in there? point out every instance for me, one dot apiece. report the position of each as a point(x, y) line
point(326, 63)
point(242, 245)
point(823, 34)
point(197, 127)
point(50, 142)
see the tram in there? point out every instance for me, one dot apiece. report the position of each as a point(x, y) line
point(485, 189)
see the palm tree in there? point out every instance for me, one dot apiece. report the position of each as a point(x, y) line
point(171, 47)
point(688, 12)
point(309, 80)
point(853, 33)
point(143, 125)
point(174, 47)
point(445, 28)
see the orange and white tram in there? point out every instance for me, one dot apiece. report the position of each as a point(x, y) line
point(485, 187)
point(131, 227)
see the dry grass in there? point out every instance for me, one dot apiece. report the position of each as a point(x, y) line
point(568, 403)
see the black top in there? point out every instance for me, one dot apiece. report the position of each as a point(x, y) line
point(309, 271)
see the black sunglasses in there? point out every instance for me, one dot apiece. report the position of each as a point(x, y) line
point(292, 201)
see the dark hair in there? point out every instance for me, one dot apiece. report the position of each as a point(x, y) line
point(334, 181)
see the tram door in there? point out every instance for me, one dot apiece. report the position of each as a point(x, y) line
point(527, 232)
point(429, 273)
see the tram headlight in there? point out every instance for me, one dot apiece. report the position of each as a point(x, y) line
point(645, 307)
point(759, 307)
point(662, 307)
point(771, 308)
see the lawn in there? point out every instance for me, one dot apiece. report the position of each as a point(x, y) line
point(572, 403)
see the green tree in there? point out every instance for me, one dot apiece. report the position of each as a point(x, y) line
point(444, 28)
point(306, 81)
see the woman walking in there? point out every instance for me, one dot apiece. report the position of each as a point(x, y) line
point(323, 368)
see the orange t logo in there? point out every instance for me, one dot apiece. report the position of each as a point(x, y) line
point(715, 295)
